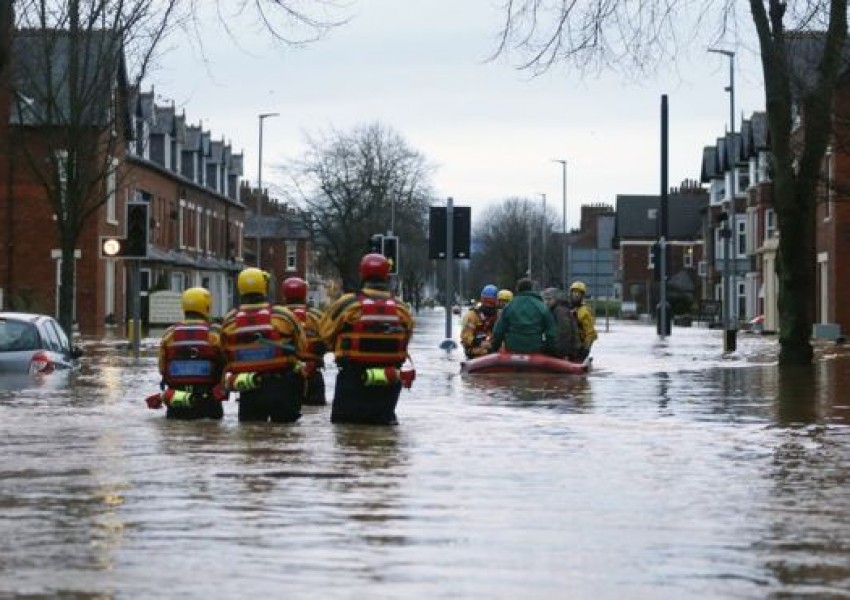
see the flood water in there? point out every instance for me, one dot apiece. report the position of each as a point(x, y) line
point(670, 471)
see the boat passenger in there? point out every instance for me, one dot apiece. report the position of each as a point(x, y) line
point(503, 297)
point(478, 322)
point(585, 318)
point(312, 362)
point(526, 325)
point(263, 343)
point(368, 332)
point(191, 362)
point(566, 345)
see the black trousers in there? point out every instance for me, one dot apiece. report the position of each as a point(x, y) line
point(313, 390)
point(204, 406)
point(355, 402)
point(278, 399)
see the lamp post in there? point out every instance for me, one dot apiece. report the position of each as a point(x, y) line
point(730, 228)
point(543, 244)
point(262, 117)
point(564, 223)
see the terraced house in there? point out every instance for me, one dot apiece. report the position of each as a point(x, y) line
point(80, 144)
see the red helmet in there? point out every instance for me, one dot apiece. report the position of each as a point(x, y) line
point(374, 267)
point(294, 289)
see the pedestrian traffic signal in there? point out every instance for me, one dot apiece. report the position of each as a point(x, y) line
point(112, 247)
point(390, 251)
point(138, 226)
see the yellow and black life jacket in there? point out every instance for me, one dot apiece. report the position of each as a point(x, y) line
point(190, 357)
point(254, 344)
point(379, 335)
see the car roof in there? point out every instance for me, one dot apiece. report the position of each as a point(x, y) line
point(20, 316)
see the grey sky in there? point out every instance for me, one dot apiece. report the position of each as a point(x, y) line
point(419, 66)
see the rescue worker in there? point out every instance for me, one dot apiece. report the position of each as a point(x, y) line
point(262, 343)
point(191, 363)
point(585, 318)
point(478, 322)
point(313, 361)
point(368, 331)
point(566, 344)
point(503, 297)
point(526, 325)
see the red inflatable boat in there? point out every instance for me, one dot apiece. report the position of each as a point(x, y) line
point(511, 362)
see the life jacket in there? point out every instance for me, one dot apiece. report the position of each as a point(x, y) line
point(315, 345)
point(253, 344)
point(379, 335)
point(190, 358)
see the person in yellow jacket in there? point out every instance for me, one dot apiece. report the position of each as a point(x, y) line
point(585, 318)
point(477, 326)
point(191, 363)
point(313, 361)
point(368, 331)
point(262, 345)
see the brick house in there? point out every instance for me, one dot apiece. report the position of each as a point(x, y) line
point(635, 237)
point(189, 181)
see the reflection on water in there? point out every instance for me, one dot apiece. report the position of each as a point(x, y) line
point(670, 471)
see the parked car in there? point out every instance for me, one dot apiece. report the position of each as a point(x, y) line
point(34, 344)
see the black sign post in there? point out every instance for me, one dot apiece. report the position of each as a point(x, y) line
point(449, 238)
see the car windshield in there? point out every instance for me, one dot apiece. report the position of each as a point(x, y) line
point(18, 336)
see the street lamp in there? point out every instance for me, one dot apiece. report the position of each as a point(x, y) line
point(262, 117)
point(564, 225)
point(543, 243)
point(729, 292)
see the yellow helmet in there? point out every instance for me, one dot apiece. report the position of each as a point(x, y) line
point(197, 300)
point(252, 281)
point(578, 286)
point(505, 296)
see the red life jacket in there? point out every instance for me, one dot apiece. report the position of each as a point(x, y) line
point(253, 344)
point(378, 337)
point(314, 341)
point(190, 358)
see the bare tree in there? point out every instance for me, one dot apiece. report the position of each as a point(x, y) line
point(361, 183)
point(75, 65)
point(592, 35)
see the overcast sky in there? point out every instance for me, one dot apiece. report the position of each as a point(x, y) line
point(419, 67)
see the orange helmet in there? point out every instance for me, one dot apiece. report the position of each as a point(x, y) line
point(294, 289)
point(374, 267)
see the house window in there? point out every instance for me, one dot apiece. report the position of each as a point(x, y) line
point(769, 223)
point(178, 282)
point(199, 215)
point(650, 257)
point(743, 179)
point(291, 256)
point(688, 257)
point(702, 268)
point(827, 177)
point(62, 167)
point(651, 214)
point(741, 238)
point(207, 230)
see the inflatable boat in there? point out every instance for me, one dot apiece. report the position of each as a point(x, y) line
point(512, 362)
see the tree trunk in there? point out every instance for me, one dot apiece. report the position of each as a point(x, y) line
point(794, 265)
point(67, 285)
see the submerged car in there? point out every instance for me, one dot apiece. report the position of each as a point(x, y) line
point(34, 344)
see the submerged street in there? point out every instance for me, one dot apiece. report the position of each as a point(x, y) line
point(669, 471)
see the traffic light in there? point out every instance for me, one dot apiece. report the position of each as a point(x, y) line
point(112, 247)
point(138, 226)
point(390, 250)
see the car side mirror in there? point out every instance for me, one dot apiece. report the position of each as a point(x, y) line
point(76, 352)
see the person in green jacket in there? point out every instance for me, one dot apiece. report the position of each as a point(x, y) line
point(525, 325)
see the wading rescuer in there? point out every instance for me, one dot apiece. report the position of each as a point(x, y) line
point(368, 332)
point(262, 344)
point(191, 363)
point(478, 323)
point(312, 362)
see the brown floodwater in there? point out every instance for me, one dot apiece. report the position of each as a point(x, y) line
point(670, 471)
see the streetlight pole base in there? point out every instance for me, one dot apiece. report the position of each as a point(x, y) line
point(730, 340)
